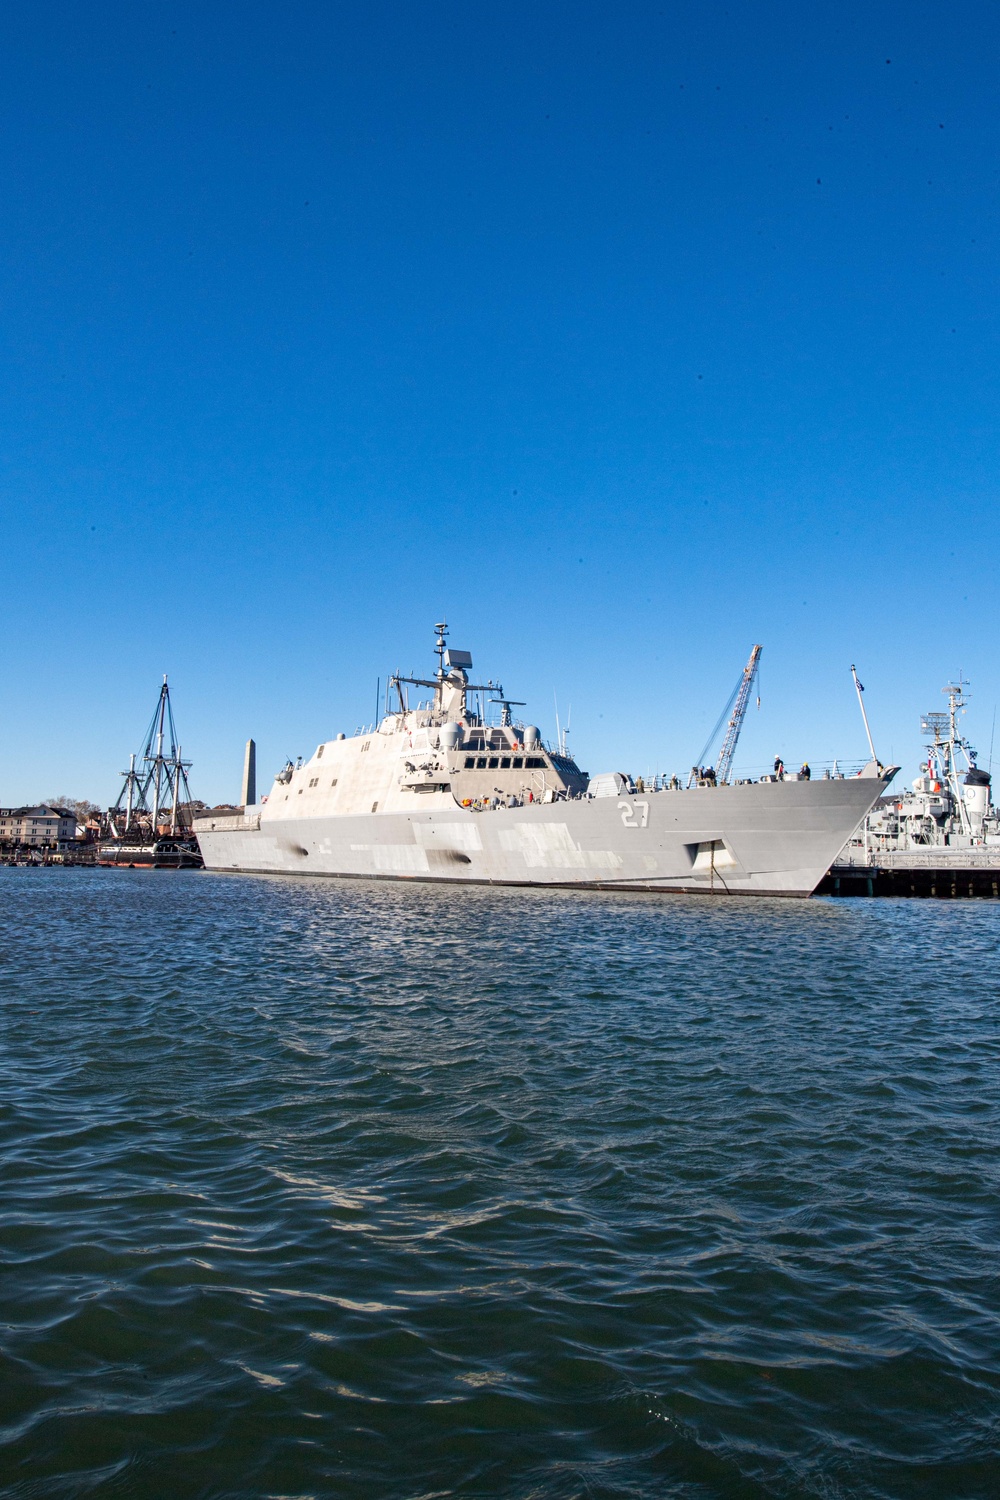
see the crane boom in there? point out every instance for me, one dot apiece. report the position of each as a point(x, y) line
point(725, 762)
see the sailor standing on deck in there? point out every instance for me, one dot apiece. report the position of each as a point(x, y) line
point(779, 768)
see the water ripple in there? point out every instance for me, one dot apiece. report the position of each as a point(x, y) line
point(330, 1189)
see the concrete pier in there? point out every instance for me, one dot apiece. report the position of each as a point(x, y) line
point(917, 880)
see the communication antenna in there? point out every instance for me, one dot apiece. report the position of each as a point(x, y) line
point(992, 732)
point(441, 646)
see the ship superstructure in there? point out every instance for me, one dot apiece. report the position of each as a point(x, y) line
point(456, 787)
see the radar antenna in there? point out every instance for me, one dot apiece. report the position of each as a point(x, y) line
point(506, 704)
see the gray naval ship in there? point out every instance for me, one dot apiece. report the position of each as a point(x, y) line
point(456, 788)
point(948, 820)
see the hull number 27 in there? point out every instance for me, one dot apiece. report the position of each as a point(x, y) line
point(634, 814)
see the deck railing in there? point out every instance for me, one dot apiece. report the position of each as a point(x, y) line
point(228, 823)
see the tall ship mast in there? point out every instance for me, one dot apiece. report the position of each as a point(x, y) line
point(450, 784)
point(149, 824)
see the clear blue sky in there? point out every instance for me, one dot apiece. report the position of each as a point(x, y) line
point(622, 336)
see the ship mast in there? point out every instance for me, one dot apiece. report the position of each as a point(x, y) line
point(454, 677)
point(956, 742)
point(130, 788)
point(440, 646)
point(946, 741)
point(162, 780)
point(158, 761)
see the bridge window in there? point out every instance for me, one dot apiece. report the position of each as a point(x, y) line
point(470, 762)
point(505, 762)
point(518, 762)
point(481, 763)
point(494, 762)
point(534, 762)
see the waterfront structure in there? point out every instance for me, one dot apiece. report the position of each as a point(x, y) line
point(40, 827)
point(456, 788)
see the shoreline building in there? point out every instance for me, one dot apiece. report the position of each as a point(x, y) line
point(40, 827)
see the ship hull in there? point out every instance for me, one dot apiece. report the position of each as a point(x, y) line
point(766, 838)
point(159, 856)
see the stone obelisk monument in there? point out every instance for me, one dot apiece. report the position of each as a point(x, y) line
point(249, 794)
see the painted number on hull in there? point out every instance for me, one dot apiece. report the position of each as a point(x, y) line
point(629, 810)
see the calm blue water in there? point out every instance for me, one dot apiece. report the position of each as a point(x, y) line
point(330, 1189)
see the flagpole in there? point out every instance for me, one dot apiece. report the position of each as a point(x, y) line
point(861, 705)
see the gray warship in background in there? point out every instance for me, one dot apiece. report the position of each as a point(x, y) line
point(456, 788)
point(948, 822)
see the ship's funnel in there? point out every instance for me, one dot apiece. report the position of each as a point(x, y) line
point(976, 795)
